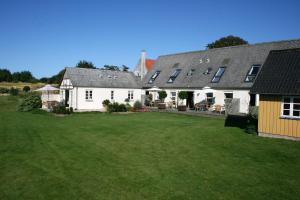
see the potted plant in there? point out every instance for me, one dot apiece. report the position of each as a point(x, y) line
point(162, 95)
point(105, 104)
point(182, 95)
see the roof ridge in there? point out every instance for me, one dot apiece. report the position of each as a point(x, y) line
point(229, 47)
point(98, 69)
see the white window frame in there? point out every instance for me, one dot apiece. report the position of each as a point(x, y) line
point(130, 95)
point(249, 74)
point(89, 95)
point(173, 97)
point(291, 109)
point(218, 75)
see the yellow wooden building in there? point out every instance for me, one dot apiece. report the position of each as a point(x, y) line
point(278, 86)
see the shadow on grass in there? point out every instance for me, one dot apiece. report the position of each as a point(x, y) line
point(236, 121)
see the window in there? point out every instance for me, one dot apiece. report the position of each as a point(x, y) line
point(210, 98)
point(191, 72)
point(290, 107)
point(252, 73)
point(130, 95)
point(88, 95)
point(218, 75)
point(228, 95)
point(153, 77)
point(112, 95)
point(174, 75)
point(173, 96)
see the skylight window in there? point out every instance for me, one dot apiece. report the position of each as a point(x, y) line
point(252, 73)
point(218, 75)
point(153, 77)
point(174, 76)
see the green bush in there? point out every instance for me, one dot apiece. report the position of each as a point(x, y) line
point(61, 109)
point(253, 112)
point(26, 88)
point(14, 91)
point(106, 102)
point(162, 95)
point(252, 120)
point(4, 90)
point(31, 102)
point(128, 107)
point(182, 95)
point(137, 105)
point(115, 107)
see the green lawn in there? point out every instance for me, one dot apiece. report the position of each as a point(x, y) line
point(140, 156)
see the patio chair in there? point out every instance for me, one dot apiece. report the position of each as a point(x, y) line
point(219, 109)
point(197, 106)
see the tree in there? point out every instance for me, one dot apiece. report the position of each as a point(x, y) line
point(57, 78)
point(162, 95)
point(26, 76)
point(85, 64)
point(44, 80)
point(26, 88)
point(226, 42)
point(111, 67)
point(16, 76)
point(125, 68)
point(182, 95)
point(5, 75)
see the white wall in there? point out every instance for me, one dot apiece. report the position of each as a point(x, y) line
point(77, 97)
point(200, 95)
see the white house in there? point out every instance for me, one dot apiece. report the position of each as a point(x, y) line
point(210, 75)
point(214, 74)
point(86, 89)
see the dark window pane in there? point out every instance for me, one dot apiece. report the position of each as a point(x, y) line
point(296, 100)
point(286, 100)
point(296, 113)
point(228, 95)
point(296, 106)
point(254, 70)
point(286, 112)
point(286, 106)
point(209, 94)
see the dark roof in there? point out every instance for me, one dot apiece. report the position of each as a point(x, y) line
point(237, 59)
point(280, 74)
point(81, 77)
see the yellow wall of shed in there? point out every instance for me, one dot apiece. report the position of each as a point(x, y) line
point(270, 121)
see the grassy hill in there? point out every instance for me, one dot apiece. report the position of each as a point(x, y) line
point(20, 85)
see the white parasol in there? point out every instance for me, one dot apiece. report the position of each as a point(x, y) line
point(47, 88)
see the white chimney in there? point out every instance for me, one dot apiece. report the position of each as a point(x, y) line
point(140, 69)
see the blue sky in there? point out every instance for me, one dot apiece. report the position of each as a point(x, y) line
point(46, 36)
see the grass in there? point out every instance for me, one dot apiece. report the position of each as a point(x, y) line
point(20, 85)
point(140, 156)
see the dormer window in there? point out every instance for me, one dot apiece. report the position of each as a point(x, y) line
point(252, 73)
point(191, 72)
point(174, 75)
point(218, 75)
point(153, 77)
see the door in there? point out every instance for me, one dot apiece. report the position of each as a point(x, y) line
point(67, 94)
point(190, 100)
